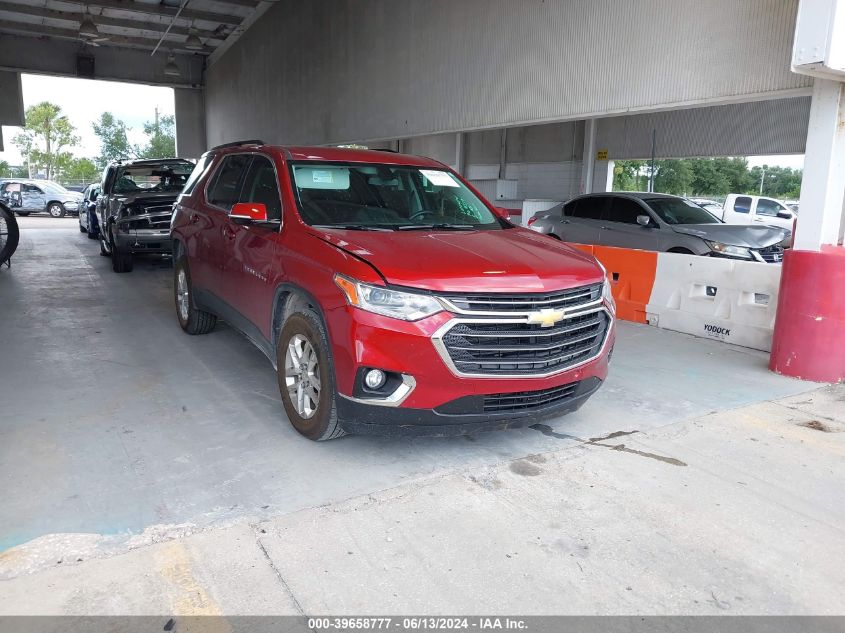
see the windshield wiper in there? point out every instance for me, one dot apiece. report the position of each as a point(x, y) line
point(445, 226)
point(353, 227)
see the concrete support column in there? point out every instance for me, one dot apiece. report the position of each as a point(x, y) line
point(190, 122)
point(460, 153)
point(589, 159)
point(809, 335)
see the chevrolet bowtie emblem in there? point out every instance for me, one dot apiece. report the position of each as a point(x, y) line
point(546, 317)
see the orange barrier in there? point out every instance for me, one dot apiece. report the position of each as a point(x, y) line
point(631, 273)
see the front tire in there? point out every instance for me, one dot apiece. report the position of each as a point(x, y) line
point(191, 319)
point(56, 209)
point(121, 261)
point(306, 378)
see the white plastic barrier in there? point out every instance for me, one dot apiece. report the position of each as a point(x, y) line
point(723, 299)
point(532, 206)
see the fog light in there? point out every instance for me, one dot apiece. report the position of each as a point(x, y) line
point(375, 378)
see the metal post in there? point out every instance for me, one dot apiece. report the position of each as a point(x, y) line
point(653, 152)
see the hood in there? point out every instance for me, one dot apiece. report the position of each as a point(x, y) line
point(73, 195)
point(148, 197)
point(748, 236)
point(511, 260)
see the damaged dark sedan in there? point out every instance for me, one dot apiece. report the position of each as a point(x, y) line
point(135, 206)
point(658, 222)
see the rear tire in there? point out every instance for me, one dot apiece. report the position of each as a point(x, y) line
point(191, 319)
point(306, 376)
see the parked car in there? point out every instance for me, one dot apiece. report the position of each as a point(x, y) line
point(743, 209)
point(389, 296)
point(710, 205)
point(25, 196)
point(135, 205)
point(88, 211)
point(657, 222)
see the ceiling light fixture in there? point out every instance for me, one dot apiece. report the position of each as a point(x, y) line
point(87, 28)
point(193, 42)
point(170, 68)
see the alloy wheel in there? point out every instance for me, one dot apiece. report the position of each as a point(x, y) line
point(182, 295)
point(302, 375)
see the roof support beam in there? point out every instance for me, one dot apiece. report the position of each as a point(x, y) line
point(73, 34)
point(72, 16)
point(155, 9)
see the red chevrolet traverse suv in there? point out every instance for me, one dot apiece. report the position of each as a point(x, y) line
point(388, 294)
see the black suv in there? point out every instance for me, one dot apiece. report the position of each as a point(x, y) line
point(135, 205)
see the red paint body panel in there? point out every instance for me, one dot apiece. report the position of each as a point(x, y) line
point(246, 266)
point(809, 336)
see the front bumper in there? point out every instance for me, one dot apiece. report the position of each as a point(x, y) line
point(441, 401)
point(144, 240)
point(359, 418)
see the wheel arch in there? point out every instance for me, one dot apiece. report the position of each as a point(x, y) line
point(284, 293)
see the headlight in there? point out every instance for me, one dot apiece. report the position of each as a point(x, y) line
point(730, 251)
point(71, 204)
point(407, 306)
point(607, 296)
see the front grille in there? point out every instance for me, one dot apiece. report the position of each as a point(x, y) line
point(528, 400)
point(525, 349)
point(772, 254)
point(525, 302)
point(152, 217)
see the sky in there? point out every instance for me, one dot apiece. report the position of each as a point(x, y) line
point(83, 100)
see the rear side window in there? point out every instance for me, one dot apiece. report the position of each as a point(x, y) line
point(589, 208)
point(624, 210)
point(742, 204)
point(770, 208)
point(200, 169)
point(225, 188)
point(261, 185)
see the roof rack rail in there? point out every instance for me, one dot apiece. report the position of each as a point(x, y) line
point(252, 141)
point(384, 149)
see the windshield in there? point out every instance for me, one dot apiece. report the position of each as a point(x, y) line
point(387, 197)
point(680, 211)
point(169, 176)
point(54, 187)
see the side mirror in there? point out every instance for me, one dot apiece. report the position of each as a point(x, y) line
point(785, 215)
point(503, 213)
point(247, 212)
point(643, 220)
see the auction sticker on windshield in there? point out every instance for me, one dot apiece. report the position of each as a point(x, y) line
point(439, 178)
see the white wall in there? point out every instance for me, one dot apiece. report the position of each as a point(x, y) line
point(337, 71)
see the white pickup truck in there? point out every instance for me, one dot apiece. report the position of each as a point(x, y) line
point(743, 209)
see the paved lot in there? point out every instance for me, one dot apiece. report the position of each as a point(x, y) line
point(146, 471)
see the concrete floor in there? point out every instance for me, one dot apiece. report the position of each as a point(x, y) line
point(121, 437)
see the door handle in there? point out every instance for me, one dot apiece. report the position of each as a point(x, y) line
point(194, 218)
point(608, 228)
point(228, 233)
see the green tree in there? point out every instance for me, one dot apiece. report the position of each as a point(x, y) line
point(5, 169)
point(44, 139)
point(162, 137)
point(628, 175)
point(79, 170)
point(672, 176)
point(114, 142)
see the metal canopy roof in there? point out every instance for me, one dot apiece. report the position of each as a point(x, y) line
point(139, 24)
